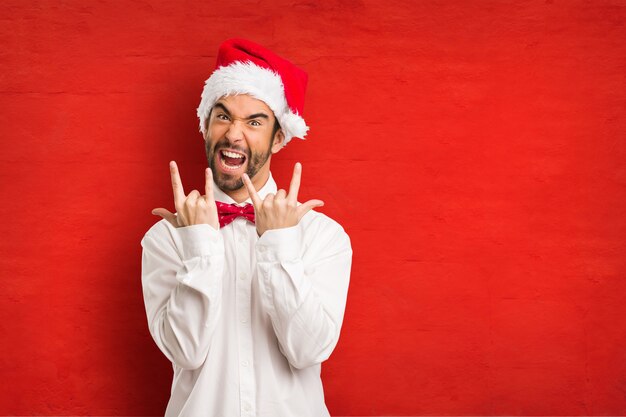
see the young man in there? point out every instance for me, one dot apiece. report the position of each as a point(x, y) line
point(244, 287)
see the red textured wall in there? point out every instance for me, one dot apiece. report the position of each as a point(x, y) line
point(497, 284)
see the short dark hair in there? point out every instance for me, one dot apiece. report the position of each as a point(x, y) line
point(276, 127)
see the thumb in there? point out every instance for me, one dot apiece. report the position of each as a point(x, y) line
point(170, 217)
point(305, 207)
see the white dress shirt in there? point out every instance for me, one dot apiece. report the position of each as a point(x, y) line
point(246, 321)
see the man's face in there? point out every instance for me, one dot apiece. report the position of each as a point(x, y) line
point(239, 138)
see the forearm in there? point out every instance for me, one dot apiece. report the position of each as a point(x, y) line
point(305, 303)
point(182, 293)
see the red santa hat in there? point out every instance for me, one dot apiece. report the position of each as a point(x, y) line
point(244, 67)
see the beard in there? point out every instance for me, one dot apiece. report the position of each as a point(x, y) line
point(254, 160)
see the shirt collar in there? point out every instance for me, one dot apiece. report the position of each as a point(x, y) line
point(269, 187)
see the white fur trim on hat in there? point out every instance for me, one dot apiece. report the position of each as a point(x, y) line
point(261, 83)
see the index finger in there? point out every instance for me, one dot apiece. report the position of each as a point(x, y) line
point(256, 200)
point(294, 186)
point(177, 184)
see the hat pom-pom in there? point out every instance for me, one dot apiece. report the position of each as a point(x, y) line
point(293, 126)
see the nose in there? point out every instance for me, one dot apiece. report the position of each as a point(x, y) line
point(235, 131)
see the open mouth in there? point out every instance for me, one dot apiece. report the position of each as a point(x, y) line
point(231, 160)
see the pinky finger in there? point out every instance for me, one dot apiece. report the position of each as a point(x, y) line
point(208, 187)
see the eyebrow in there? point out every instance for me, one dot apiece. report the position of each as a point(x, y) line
point(252, 116)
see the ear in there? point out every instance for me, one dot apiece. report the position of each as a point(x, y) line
point(279, 140)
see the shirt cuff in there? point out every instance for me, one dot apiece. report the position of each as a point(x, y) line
point(276, 245)
point(200, 240)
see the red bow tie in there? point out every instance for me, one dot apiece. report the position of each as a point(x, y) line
point(229, 212)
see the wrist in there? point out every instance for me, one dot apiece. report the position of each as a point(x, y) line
point(279, 244)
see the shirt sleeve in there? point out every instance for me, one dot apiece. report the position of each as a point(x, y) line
point(303, 280)
point(182, 288)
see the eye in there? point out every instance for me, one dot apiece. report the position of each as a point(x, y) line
point(221, 116)
point(255, 123)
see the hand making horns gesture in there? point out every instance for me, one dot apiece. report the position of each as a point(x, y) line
point(280, 210)
point(194, 208)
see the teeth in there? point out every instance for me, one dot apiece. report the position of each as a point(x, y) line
point(232, 154)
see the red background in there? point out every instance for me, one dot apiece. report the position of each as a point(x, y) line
point(496, 128)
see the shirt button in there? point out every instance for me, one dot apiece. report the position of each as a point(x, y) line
point(244, 321)
point(244, 363)
point(242, 276)
point(262, 248)
point(246, 407)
